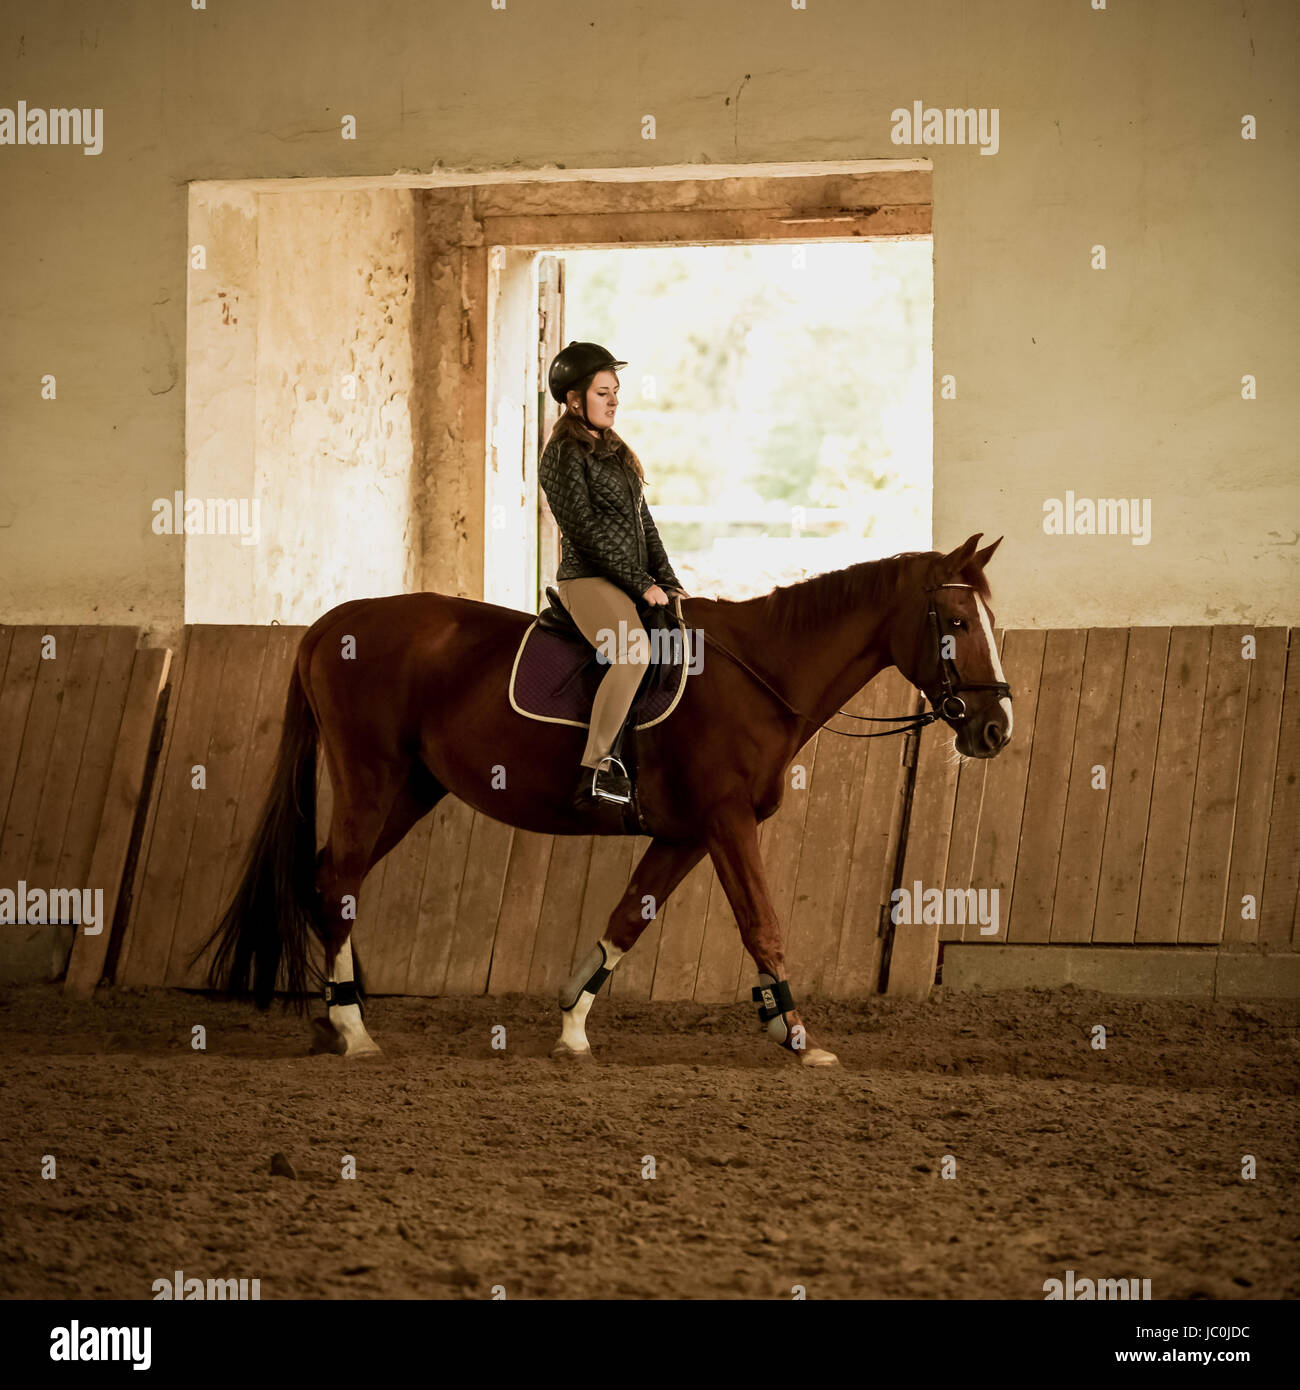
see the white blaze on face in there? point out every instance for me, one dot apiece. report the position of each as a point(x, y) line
point(996, 661)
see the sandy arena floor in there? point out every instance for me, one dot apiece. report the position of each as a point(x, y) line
point(476, 1168)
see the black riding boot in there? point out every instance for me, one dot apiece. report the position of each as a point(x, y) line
point(608, 784)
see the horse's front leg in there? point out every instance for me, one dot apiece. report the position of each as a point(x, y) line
point(733, 846)
point(661, 869)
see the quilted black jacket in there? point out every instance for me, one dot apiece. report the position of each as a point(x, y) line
point(606, 529)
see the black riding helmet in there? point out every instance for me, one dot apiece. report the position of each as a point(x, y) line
point(578, 362)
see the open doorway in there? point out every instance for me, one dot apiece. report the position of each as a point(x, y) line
point(365, 376)
point(778, 395)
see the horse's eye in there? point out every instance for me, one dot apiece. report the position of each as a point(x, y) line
point(959, 622)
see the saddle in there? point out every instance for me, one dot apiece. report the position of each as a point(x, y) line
point(557, 671)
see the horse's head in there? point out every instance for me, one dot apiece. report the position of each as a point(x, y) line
point(941, 639)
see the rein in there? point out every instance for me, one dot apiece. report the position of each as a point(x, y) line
point(950, 706)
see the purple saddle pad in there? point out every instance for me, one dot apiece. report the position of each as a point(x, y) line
point(555, 678)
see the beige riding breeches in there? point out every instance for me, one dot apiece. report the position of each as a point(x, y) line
point(600, 607)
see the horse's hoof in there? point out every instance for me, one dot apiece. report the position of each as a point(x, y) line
point(818, 1057)
point(562, 1052)
point(328, 1040)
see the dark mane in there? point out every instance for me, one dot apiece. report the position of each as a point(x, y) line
point(869, 584)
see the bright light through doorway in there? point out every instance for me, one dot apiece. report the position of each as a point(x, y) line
point(778, 396)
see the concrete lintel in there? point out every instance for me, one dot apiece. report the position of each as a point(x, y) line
point(457, 177)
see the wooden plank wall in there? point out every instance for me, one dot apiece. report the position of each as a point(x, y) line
point(77, 707)
point(467, 905)
point(1151, 787)
point(1197, 805)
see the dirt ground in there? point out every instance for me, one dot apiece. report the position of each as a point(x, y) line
point(477, 1168)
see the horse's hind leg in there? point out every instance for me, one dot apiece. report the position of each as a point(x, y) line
point(371, 814)
point(662, 868)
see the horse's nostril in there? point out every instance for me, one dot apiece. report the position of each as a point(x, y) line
point(993, 735)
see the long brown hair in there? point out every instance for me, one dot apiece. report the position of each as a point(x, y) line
point(570, 426)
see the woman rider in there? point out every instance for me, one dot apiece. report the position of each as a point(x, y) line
point(610, 555)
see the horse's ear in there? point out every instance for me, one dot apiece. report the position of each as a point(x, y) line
point(982, 557)
point(953, 563)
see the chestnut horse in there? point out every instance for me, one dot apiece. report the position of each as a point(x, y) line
point(407, 697)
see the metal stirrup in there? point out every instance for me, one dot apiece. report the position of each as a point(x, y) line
point(606, 796)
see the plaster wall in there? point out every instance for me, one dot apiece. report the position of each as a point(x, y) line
point(1119, 128)
point(334, 384)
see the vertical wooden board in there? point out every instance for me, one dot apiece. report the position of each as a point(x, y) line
point(169, 699)
point(998, 845)
point(120, 806)
point(393, 944)
point(59, 783)
point(966, 807)
point(1255, 787)
point(965, 830)
point(1169, 825)
point(112, 691)
point(480, 903)
point(444, 874)
point(1075, 901)
point(560, 929)
point(263, 734)
point(1028, 916)
point(6, 640)
point(781, 847)
point(682, 930)
point(1129, 806)
point(915, 949)
point(518, 921)
point(367, 933)
point(19, 827)
point(636, 973)
point(157, 906)
point(1214, 798)
point(263, 750)
point(875, 843)
point(721, 951)
point(608, 870)
point(822, 878)
point(223, 759)
point(1277, 909)
point(21, 668)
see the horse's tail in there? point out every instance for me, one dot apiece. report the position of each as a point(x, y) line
point(275, 912)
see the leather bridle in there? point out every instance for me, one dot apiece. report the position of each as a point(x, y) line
point(950, 706)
